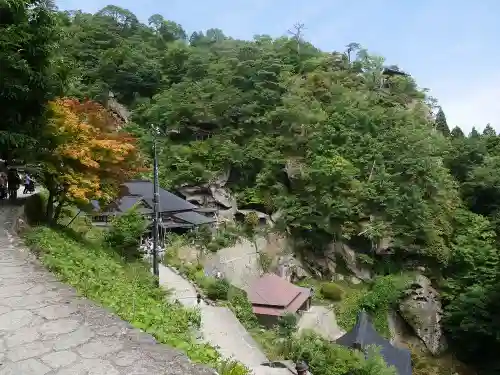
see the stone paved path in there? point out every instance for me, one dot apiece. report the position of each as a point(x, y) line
point(45, 329)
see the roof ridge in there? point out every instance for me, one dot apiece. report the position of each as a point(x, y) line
point(362, 326)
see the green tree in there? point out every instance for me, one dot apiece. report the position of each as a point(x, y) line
point(473, 325)
point(126, 20)
point(130, 71)
point(474, 133)
point(456, 132)
point(126, 232)
point(167, 31)
point(441, 123)
point(489, 131)
point(28, 39)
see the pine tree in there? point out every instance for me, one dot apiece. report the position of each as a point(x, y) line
point(489, 131)
point(457, 132)
point(441, 123)
point(474, 133)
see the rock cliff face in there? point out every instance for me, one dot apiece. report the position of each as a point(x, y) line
point(421, 309)
point(326, 265)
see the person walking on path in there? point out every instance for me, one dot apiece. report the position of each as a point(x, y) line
point(13, 181)
point(27, 182)
point(3, 185)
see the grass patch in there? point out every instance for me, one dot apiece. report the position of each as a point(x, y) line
point(317, 298)
point(318, 285)
point(195, 274)
point(125, 288)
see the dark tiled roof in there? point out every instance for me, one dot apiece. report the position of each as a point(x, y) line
point(364, 334)
point(207, 210)
point(171, 225)
point(94, 205)
point(127, 202)
point(168, 202)
point(193, 218)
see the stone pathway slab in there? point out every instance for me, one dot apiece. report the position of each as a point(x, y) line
point(46, 329)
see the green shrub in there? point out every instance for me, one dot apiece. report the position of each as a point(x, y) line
point(218, 289)
point(265, 261)
point(188, 270)
point(332, 291)
point(230, 367)
point(325, 358)
point(287, 324)
point(204, 239)
point(242, 307)
point(383, 294)
point(365, 260)
point(224, 237)
point(125, 233)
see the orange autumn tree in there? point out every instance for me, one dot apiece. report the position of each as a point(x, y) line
point(85, 155)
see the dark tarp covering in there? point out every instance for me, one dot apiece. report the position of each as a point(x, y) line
point(364, 335)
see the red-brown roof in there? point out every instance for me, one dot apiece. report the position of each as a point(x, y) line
point(273, 295)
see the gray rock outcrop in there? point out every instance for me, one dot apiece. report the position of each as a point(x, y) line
point(212, 195)
point(350, 259)
point(421, 309)
point(289, 267)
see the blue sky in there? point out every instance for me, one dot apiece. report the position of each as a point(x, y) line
point(448, 46)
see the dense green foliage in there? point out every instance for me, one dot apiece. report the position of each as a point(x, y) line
point(29, 72)
point(325, 358)
point(341, 150)
point(125, 233)
point(382, 295)
point(287, 324)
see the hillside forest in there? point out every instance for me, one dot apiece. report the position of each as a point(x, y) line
point(344, 147)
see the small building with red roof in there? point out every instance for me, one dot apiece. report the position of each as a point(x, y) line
point(272, 296)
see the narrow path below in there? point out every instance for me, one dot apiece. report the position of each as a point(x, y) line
point(219, 325)
point(45, 329)
point(322, 320)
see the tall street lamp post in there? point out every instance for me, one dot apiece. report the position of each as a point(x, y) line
point(156, 207)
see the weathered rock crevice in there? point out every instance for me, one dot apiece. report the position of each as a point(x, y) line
point(421, 309)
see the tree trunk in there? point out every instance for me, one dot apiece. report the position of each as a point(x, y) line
point(58, 210)
point(49, 213)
